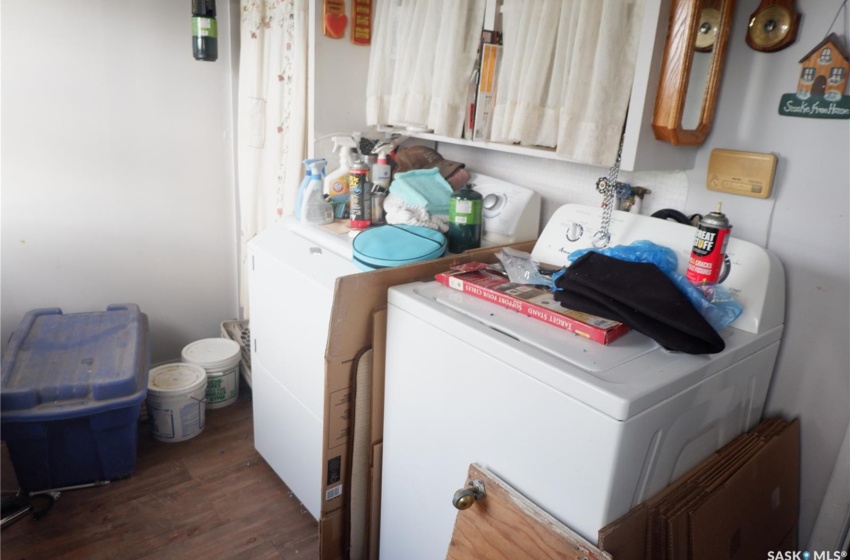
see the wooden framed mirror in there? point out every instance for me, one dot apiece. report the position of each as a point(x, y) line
point(694, 56)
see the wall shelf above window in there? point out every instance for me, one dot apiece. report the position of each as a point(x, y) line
point(539, 152)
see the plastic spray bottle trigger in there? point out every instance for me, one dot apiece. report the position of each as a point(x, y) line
point(336, 183)
point(315, 209)
point(302, 188)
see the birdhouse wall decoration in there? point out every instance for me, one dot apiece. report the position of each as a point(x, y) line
point(821, 84)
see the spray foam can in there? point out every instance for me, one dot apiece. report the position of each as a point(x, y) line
point(709, 250)
point(359, 192)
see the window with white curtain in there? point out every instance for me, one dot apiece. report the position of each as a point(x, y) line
point(564, 79)
point(423, 55)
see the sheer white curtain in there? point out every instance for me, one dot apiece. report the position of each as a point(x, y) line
point(272, 114)
point(423, 54)
point(566, 75)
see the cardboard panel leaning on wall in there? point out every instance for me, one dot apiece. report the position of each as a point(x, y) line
point(740, 502)
point(356, 298)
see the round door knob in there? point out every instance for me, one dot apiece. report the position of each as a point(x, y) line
point(465, 497)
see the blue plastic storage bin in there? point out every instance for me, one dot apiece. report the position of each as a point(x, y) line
point(72, 389)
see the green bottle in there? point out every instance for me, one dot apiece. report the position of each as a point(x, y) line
point(465, 208)
point(204, 30)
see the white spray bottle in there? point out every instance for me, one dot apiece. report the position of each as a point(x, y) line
point(302, 188)
point(381, 169)
point(314, 208)
point(336, 183)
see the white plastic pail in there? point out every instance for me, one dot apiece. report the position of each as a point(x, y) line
point(220, 358)
point(175, 401)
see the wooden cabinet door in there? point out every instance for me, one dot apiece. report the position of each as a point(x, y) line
point(505, 525)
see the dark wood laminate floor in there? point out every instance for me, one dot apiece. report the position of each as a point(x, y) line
point(212, 497)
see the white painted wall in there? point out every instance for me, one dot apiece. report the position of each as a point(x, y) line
point(117, 167)
point(805, 223)
point(336, 87)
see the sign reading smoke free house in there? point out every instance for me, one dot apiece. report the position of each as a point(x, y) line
point(823, 79)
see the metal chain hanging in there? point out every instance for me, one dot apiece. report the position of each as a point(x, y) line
point(607, 186)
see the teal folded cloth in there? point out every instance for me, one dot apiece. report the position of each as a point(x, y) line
point(424, 188)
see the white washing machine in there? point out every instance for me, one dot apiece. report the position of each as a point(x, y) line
point(294, 267)
point(585, 431)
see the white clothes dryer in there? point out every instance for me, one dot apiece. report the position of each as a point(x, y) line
point(294, 268)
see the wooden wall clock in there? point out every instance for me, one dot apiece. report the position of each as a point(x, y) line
point(773, 26)
point(687, 92)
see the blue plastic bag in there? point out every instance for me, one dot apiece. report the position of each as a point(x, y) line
point(719, 312)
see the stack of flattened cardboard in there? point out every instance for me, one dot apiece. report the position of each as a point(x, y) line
point(740, 503)
point(359, 322)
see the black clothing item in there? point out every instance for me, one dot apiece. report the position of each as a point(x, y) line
point(641, 296)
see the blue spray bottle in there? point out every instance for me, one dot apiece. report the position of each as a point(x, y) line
point(302, 188)
point(314, 208)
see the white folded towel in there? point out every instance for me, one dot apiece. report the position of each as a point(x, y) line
point(397, 211)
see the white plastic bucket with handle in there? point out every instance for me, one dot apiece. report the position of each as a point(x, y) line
point(175, 401)
point(220, 358)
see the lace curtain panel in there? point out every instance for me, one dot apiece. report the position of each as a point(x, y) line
point(272, 113)
point(567, 75)
point(564, 82)
point(422, 58)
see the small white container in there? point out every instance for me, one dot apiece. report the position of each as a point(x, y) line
point(175, 401)
point(220, 359)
